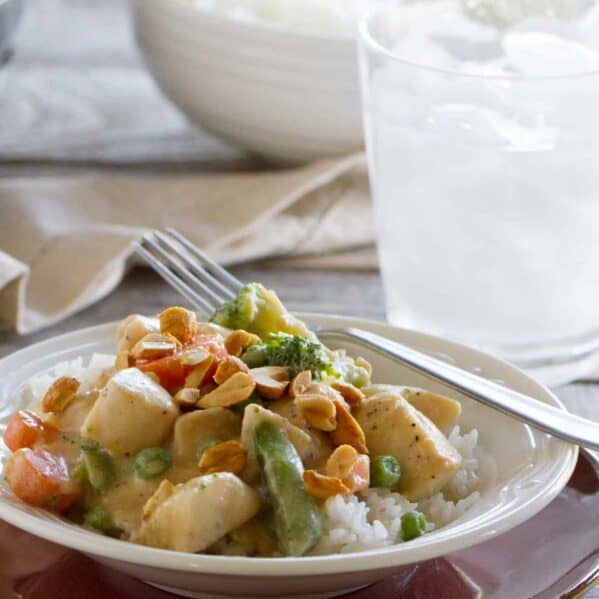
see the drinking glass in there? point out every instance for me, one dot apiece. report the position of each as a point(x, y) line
point(482, 133)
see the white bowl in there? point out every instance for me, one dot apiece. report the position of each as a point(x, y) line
point(288, 95)
point(532, 468)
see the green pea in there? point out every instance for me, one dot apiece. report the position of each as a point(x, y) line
point(413, 525)
point(99, 519)
point(152, 462)
point(384, 471)
point(99, 467)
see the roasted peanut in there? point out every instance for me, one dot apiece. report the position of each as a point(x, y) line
point(352, 395)
point(271, 381)
point(154, 346)
point(326, 390)
point(196, 377)
point(351, 467)
point(348, 430)
point(162, 493)
point(318, 411)
point(230, 456)
point(341, 461)
point(187, 398)
point(60, 394)
point(300, 383)
point(123, 360)
point(323, 486)
point(193, 356)
point(227, 368)
point(234, 390)
point(179, 322)
point(238, 341)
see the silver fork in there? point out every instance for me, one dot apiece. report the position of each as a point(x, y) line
point(207, 285)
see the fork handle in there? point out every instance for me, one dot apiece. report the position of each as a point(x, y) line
point(549, 419)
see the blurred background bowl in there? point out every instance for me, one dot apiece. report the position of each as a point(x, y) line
point(287, 95)
point(10, 14)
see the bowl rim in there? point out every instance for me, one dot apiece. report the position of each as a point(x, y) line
point(260, 25)
point(75, 537)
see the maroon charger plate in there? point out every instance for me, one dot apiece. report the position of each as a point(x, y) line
point(554, 554)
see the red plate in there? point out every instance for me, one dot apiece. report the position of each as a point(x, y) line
point(554, 554)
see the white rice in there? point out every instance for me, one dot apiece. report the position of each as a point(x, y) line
point(89, 375)
point(372, 519)
point(369, 520)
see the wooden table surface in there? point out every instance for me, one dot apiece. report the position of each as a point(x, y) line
point(75, 100)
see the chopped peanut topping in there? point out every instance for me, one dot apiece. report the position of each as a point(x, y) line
point(234, 390)
point(162, 493)
point(154, 346)
point(300, 383)
point(341, 461)
point(60, 394)
point(230, 456)
point(348, 430)
point(196, 377)
point(323, 486)
point(238, 341)
point(193, 356)
point(179, 322)
point(352, 395)
point(228, 367)
point(187, 398)
point(318, 411)
point(351, 467)
point(271, 381)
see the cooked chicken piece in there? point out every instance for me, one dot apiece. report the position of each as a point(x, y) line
point(125, 501)
point(393, 427)
point(321, 447)
point(197, 428)
point(76, 412)
point(132, 412)
point(195, 515)
point(133, 328)
point(442, 411)
point(254, 414)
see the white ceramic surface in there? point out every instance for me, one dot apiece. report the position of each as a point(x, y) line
point(531, 470)
point(288, 95)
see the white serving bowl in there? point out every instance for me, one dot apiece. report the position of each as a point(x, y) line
point(287, 95)
point(532, 468)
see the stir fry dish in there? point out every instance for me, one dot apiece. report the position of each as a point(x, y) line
point(239, 436)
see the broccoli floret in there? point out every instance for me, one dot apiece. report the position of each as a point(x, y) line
point(259, 311)
point(292, 351)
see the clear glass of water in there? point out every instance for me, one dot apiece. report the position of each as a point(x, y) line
point(482, 131)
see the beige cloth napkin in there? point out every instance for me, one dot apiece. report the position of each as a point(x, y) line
point(66, 242)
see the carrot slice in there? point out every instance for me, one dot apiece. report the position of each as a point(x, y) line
point(169, 370)
point(172, 373)
point(25, 429)
point(42, 479)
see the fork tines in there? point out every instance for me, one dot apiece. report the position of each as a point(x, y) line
point(203, 282)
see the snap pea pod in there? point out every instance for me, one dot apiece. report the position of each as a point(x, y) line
point(297, 520)
point(99, 466)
